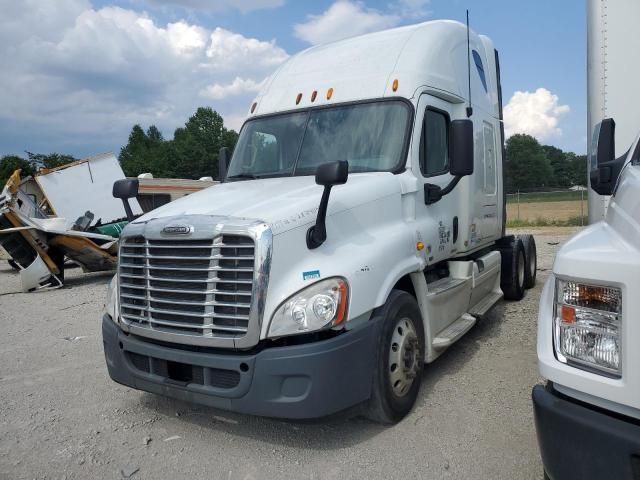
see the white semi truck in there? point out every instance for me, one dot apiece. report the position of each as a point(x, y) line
point(588, 414)
point(359, 232)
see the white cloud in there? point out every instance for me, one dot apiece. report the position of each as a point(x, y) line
point(534, 113)
point(348, 18)
point(218, 5)
point(232, 51)
point(84, 80)
point(237, 87)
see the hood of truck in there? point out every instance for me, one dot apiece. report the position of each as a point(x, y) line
point(283, 203)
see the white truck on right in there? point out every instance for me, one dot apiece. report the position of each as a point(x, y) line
point(587, 415)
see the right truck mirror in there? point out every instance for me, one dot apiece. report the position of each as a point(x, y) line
point(605, 168)
point(461, 148)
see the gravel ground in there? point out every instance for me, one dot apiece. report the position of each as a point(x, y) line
point(62, 417)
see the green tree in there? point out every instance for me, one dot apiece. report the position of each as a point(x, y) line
point(527, 166)
point(134, 156)
point(560, 166)
point(193, 152)
point(51, 160)
point(577, 169)
point(10, 163)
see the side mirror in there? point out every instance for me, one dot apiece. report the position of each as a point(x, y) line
point(606, 146)
point(605, 168)
point(461, 148)
point(125, 189)
point(460, 160)
point(327, 175)
point(334, 173)
point(223, 163)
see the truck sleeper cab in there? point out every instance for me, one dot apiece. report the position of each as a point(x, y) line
point(359, 233)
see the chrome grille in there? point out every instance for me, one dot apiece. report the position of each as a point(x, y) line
point(193, 287)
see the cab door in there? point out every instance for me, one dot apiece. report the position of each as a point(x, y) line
point(430, 163)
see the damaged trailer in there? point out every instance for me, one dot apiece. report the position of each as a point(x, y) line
point(66, 213)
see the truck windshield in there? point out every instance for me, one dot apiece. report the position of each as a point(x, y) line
point(370, 136)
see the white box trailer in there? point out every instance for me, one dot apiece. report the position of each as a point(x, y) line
point(358, 234)
point(613, 69)
point(587, 414)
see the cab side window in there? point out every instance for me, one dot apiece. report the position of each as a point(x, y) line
point(434, 143)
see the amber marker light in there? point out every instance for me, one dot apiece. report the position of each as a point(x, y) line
point(395, 85)
point(568, 314)
point(298, 99)
point(329, 93)
point(342, 307)
point(419, 246)
point(314, 95)
point(253, 107)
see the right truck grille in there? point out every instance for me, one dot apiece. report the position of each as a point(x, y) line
point(193, 287)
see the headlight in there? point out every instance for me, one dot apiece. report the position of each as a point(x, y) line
point(587, 326)
point(321, 305)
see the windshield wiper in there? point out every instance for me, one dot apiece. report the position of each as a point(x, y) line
point(243, 176)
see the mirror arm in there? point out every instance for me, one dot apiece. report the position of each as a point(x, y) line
point(433, 193)
point(223, 163)
point(317, 234)
point(127, 209)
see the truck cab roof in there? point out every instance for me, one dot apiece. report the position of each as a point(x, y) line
point(395, 62)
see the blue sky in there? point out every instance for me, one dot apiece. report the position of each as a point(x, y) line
point(93, 68)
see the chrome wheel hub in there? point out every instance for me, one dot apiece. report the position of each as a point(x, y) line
point(404, 357)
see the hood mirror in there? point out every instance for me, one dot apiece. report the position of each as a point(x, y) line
point(327, 175)
point(223, 163)
point(125, 189)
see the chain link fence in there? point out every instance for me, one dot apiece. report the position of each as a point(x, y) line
point(548, 208)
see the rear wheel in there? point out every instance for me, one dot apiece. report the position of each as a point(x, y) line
point(398, 372)
point(531, 264)
point(513, 270)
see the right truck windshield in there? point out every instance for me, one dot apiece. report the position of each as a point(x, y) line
point(371, 136)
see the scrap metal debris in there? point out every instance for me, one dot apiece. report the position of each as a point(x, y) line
point(63, 212)
point(68, 214)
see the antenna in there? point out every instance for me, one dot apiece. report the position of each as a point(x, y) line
point(469, 108)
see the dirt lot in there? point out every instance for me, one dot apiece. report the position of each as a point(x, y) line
point(558, 211)
point(62, 417)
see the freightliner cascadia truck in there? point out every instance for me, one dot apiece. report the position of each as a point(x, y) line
point(587, 414)
point(358, 233)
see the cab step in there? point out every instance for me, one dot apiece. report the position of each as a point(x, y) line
point(453, 332)
point(444, 285)
point(483, 306)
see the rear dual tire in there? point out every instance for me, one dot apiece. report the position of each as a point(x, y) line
point(531, 258)
point(512, 275)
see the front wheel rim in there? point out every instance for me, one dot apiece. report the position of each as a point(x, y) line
point(404, 357)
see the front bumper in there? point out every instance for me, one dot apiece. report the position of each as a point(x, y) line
point(302, 381)
point(581, 442)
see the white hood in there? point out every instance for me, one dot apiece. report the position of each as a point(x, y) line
point(283, 203)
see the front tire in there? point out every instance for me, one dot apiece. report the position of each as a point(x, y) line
point(400, 359)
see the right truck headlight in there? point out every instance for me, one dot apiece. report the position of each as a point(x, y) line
point(587, 326)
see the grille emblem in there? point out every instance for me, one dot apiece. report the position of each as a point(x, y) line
point(177, 229)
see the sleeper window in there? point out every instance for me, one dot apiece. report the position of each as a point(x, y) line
point(434, 144)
